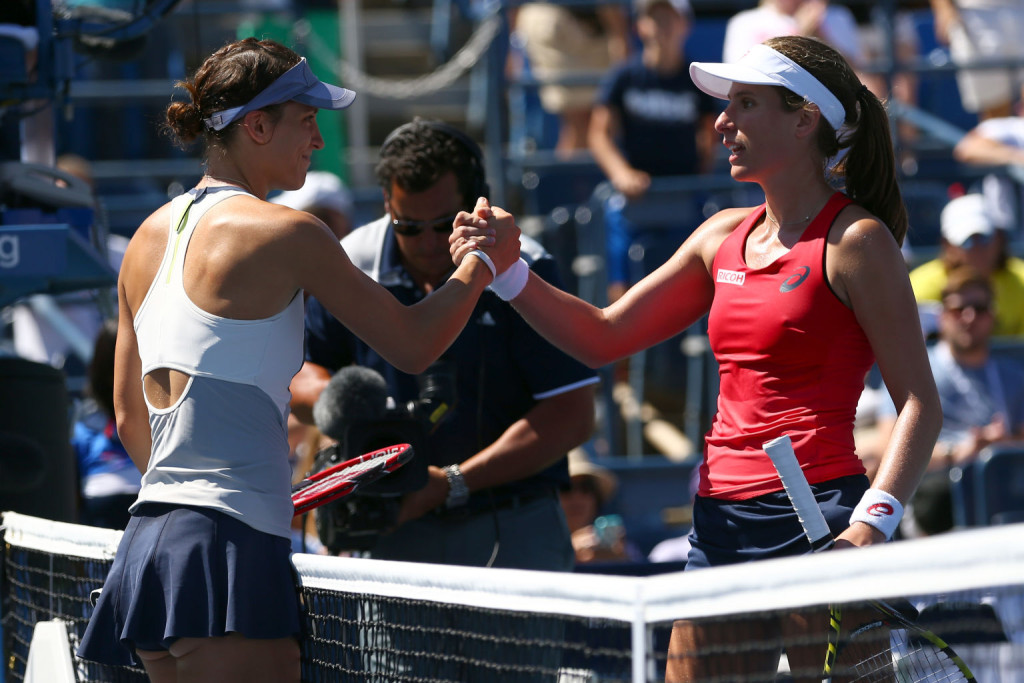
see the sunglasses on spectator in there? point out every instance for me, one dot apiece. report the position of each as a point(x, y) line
point(978, 308)
point(442, 226)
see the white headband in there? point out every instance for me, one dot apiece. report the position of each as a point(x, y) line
point(762, 65)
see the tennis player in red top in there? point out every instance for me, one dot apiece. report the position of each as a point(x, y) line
point(803, 294)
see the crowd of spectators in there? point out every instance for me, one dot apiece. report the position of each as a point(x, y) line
point(616, 78)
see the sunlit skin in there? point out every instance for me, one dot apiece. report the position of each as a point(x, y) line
point(297, 137)
point(754, 129)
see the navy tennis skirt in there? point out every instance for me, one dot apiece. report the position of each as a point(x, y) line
point(734, 531)
point(189, 572)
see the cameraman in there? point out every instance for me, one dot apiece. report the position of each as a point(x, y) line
point(520, 404)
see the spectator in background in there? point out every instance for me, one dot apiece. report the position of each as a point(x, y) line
point(109, 480)
point(834, 24)
point(983, 30)
point(568, 43)
point(595, 538)
point(874, 25)
point(970, 237)
point(998, 141)
point(982, 396)
point(497, 459)
point(325, 196)
point(649, 120)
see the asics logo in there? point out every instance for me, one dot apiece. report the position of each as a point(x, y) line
point(881, 510)
point(795, 280)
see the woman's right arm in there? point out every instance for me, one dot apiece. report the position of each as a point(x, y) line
point(664, 303)
point(408, 337)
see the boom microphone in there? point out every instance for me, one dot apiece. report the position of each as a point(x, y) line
point(354, 394)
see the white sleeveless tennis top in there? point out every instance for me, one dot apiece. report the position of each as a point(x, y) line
point(223, 444)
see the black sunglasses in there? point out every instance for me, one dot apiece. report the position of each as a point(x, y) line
point(442, 226)
point(978, 308)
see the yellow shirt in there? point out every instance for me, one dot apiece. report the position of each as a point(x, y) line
point(929, 278)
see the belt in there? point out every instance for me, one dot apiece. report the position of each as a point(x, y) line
point(482, 503)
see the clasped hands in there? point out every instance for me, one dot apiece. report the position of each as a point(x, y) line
point(493, 232)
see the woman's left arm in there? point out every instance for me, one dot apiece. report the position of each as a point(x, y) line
point(869, 274)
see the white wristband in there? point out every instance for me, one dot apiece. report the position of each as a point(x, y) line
point(879, 509)
point(511, 282)
point(487, 261)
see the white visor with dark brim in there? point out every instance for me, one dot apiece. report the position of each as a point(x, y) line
point(762, 65)
point(297, 83)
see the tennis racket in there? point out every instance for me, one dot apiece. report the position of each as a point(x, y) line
point(889, 647)
point(344, 478)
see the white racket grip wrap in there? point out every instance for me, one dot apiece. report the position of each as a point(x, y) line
point(511, 282)
point(780, 450)
point(487, 261)
point(879, 509)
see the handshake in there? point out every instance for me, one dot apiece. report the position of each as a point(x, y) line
point(491, 235)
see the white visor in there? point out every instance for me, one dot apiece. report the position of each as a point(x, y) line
point(297, 83)
point(762, 65)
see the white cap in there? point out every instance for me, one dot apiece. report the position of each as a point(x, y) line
point(965, 216)
point(762, 65)
point(320, 189)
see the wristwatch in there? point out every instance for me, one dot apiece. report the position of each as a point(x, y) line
point(458, 492)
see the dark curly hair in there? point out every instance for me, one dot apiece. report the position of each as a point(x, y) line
point(228, 78)
point(417, 154)
point(868, 168)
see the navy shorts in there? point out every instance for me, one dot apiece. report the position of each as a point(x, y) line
point(188, 572)
point(734, 531)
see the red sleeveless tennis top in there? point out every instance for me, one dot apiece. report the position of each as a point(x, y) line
point(792, 360)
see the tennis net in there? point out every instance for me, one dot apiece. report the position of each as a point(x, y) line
point(377, 621)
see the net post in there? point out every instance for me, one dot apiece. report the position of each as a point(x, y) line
point(638, 633)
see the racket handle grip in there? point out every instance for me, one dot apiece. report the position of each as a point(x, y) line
point(780, 450)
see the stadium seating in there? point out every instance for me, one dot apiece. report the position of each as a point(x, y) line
point(653, 498)
point(999, 484)
point(990, 490)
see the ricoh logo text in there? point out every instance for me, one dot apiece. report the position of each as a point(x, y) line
point(10, 253)
point(731, 277)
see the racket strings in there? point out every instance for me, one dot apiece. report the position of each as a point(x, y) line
point(877, 654)
point(916, 658)
point(332, 480)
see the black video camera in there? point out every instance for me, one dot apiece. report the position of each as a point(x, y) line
point(356, 521)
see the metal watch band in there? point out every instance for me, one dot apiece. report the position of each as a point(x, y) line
point(458, 492)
